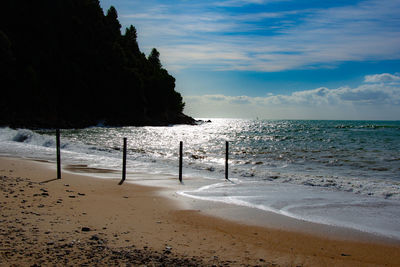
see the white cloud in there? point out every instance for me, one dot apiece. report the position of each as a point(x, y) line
point(384, 77)
point(239, 3)
point(269, 41)
point(367, 101)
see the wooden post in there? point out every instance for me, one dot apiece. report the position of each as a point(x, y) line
point(180, 160)
point(226, 160)
point(123, 163)
point(58, 153)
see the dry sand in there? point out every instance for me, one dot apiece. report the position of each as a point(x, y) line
point(90, 221)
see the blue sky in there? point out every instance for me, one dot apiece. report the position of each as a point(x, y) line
point(275, 59)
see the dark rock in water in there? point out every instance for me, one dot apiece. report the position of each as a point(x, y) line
point(388, 195)
point(308, 183)
point(197, 157)
point(211, 169)
point(199, 122)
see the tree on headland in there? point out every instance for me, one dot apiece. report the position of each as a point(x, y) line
point(112, 22)
point(130, 40)
point(7, 70)
point(154, 59)
point(64, 63)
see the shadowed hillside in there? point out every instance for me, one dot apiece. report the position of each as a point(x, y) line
point(65, 63)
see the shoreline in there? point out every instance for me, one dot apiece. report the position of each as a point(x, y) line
point(268, 219)
point(170, 189)
point(152, 222)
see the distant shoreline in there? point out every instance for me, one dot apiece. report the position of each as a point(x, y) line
point(32, 125)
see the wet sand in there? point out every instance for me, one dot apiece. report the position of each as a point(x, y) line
point(83, 220)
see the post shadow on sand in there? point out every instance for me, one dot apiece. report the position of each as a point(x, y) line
point(48, 181)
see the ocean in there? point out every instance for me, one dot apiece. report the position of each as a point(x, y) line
point(341, 173)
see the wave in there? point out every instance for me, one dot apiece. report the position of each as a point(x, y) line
point(99, 147)
point(264, 170)
point(26, 136)
point(307, 204)
point(368, 126)
point(48, 140)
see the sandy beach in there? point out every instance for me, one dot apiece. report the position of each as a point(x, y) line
point(80, 220)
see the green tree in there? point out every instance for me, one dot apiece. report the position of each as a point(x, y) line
point(7, 74)
point(55, 54)
point(7, 59)
point(154, 59)
point(130, 40)
point(112, 21)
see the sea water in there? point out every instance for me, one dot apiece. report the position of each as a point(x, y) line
point(342, 173)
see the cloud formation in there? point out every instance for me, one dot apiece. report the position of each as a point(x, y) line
point(244, 2)
point(375, 100)
point(384, 77)
point(203, 35)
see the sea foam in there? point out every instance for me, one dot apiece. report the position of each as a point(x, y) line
point(301, 169)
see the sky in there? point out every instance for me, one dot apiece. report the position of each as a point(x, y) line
point(275, 59)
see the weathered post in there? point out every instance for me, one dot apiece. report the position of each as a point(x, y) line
point(58, 153)
point(123, 163)
point(226, 160)
point(180, 160)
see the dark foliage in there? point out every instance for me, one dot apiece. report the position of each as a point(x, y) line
point(64, 63)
